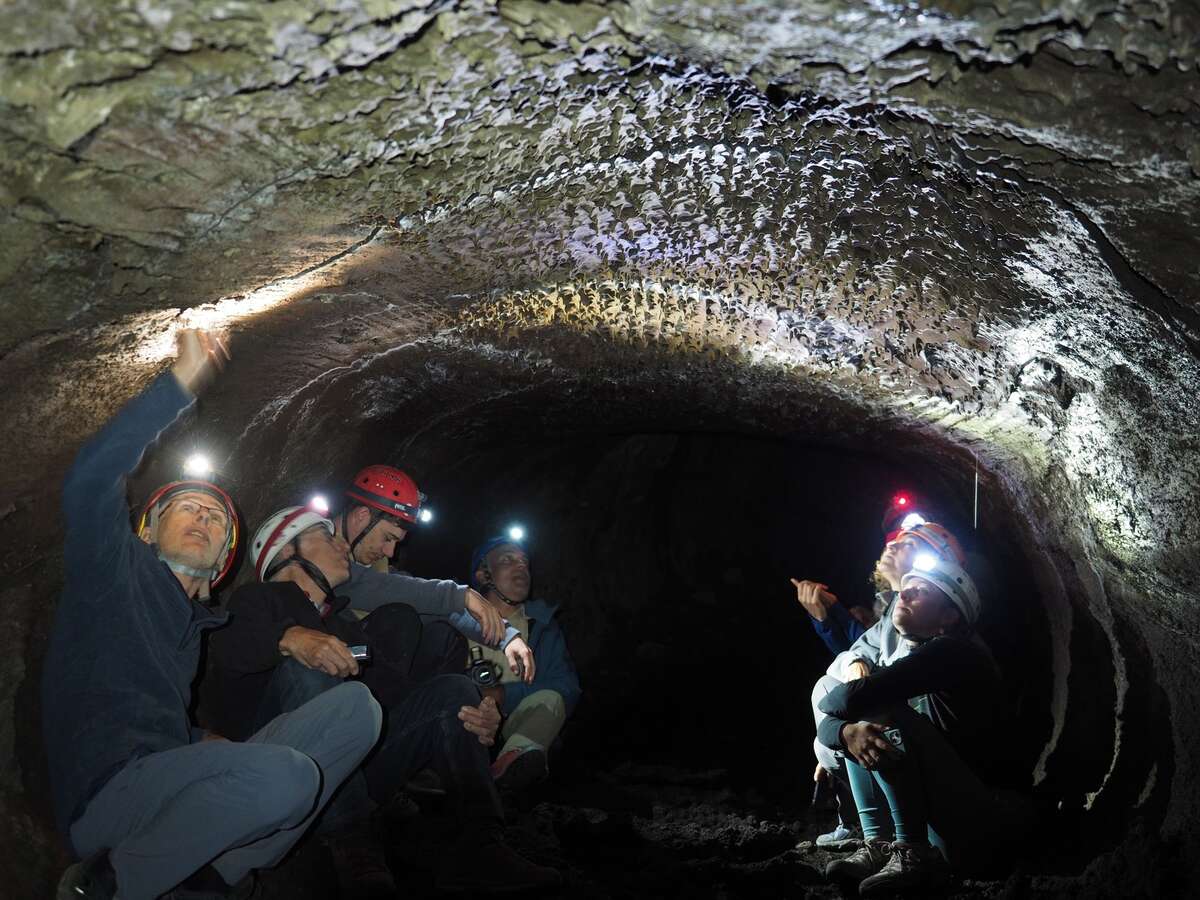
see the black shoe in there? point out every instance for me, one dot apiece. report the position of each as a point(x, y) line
point(361, 865)
point(518, 770)
point(493, 868)
point(90, 879)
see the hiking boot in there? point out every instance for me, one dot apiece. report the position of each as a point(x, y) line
point(493, 868)
point(361, 865)
point(910, 865)
point(426, 783)
point(89, 879)
point(862, 863)
point(842, 837)
point(518, 770)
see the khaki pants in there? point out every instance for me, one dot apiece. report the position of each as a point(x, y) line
point(535, 722)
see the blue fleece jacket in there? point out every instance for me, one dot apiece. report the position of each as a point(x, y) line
point(126, 638)
point(554, 669)
point(839, 630)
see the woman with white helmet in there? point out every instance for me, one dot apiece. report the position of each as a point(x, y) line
point(919, 738)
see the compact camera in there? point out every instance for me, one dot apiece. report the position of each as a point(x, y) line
point(483, 672)
point(361, 652)
point(895, 738)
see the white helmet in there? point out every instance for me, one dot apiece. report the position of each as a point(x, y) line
point(951, 579)
point(278, 531)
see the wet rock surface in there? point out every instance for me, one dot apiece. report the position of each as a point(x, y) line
point(958, 233)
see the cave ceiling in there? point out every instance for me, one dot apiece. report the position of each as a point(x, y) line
point(978, 217)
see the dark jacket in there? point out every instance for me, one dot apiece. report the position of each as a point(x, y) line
point(952, 681)
point(126, 638)
point(554, 670)
point(243, 654)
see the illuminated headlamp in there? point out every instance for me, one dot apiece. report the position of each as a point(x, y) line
point(924, 562)
point(197, 466)
point(425, 516)
point(318, 503)
point(516, 533)
point(913, 518)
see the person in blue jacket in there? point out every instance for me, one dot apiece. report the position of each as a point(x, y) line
point(534, 712)
point(150, 801)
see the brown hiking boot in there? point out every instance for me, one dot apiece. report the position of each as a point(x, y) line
point(862, 863)
point(910, 866)
point(493, 868)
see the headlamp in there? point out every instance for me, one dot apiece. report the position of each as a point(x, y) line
point(197, 466)
point(318, 504)
point(425, 515)
point(924, 562)
point(516, 533)
point(913, 518)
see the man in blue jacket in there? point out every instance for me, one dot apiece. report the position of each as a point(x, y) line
point(536, 710)
point(147, 798)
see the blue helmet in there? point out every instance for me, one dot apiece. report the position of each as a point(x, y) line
point(479, 554)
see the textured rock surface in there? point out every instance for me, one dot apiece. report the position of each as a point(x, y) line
point(969, 226)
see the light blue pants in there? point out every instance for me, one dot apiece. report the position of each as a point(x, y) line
point(238, 806)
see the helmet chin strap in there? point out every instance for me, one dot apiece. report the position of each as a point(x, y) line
point(311, 569)
point(376, 516)
point(491, 586)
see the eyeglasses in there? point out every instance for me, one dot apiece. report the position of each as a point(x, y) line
point(216, 515)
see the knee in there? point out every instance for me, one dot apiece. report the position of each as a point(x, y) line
point(284, 784)
point(456, 690)
point(298, 677)
point(357, 705)
point(443, 636)
point(551, 701)
point(393, 617)
point(823, 686)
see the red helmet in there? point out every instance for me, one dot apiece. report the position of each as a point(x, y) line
point(389, 491)
point(158, 501)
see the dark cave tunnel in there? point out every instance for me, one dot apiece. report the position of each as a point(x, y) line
point(689, 290)
point(669, 540)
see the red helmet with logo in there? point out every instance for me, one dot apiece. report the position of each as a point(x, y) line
point(389, 491)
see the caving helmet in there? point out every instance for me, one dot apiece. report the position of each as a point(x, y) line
point(937, 538)
point(951, 579)
point(385, 491)
point(164, 496)
point(282, 528)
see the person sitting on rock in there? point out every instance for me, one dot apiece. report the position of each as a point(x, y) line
point(290, 638)
point(148, 799)
point(920, 735)
point(878, 645)
point(534, 711)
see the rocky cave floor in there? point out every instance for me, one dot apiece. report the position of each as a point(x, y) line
point(655, 831)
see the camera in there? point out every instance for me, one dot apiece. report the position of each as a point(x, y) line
point(895, 738)
point(483, 672)
point(361, 652)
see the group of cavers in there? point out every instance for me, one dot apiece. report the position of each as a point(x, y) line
point(331, 686)
point(912, 722)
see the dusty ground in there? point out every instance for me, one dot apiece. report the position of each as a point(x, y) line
point(656, 832)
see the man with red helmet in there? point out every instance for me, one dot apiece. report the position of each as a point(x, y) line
point(382, 505)
point(148, 799)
